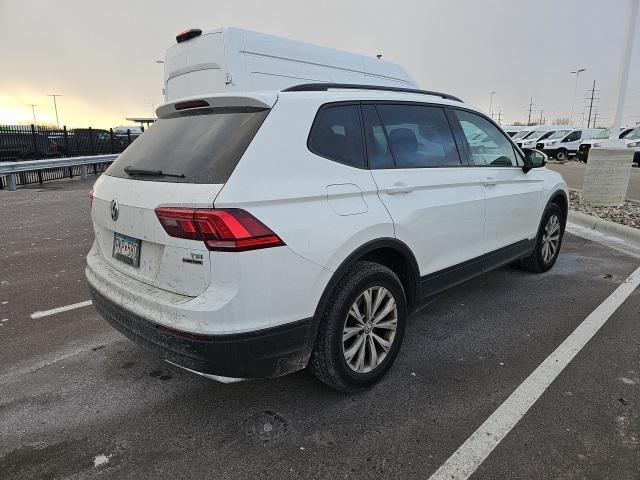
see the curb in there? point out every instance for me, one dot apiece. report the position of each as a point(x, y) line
point(605, 226)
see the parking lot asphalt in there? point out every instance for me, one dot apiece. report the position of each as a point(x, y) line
point(573, 173)
point(77, 400)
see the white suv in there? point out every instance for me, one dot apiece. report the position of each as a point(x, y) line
point(254, 234)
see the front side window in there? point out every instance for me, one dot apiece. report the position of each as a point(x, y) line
point(336, 134)
point(487, 144)
point(419, 136)
point(573, 136)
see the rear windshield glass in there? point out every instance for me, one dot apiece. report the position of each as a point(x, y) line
point(202, 146)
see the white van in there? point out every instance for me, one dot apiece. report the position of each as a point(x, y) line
point(564, 143)
point(626, 133)
point(236, 60)
point(512, 130)
point(541, 132)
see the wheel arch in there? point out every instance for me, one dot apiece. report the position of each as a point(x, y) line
point(390, 252)
point(559, 197)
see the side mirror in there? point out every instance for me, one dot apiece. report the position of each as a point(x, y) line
point(533, 159)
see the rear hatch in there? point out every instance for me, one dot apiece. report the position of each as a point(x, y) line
point(183, 160)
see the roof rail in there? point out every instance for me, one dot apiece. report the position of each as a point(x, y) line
point(323, 87)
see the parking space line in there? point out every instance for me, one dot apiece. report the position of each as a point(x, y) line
point(468, 457)
point(46, 313)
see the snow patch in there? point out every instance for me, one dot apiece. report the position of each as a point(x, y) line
point(101, 459)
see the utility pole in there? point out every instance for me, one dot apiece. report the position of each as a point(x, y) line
point(153, 109)
point(540, 123)
point(33, 110)
point(530, 109)
point(491, 103)
point(55, 106)
point(595, 118)
point(593, 92)
point(500, 117)
point(577, 73)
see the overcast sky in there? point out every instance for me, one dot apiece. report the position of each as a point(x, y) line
point(100, 55)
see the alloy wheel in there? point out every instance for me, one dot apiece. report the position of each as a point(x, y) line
point(550, 238)
point(369, 329)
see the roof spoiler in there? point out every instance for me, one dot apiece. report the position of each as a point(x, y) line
point(252, 100)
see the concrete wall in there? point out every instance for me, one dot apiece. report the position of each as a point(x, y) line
point(607, 176)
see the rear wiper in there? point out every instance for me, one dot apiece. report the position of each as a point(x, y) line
point(150, 172)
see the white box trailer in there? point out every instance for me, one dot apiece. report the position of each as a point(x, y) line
point(236, 60)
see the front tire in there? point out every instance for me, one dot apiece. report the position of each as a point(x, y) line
point(562, 155)
point(361, 329)
point(548, 241)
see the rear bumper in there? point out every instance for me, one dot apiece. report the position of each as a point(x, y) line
point(262, 353)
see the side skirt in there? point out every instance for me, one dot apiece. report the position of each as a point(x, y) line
point(437, 282)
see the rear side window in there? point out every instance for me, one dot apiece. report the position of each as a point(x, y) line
point(419, 136)
point(377, 145)
point(202, 146)
point(336, 134)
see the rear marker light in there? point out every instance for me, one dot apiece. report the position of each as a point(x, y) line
point(225, 229)
point(191, 104)
point(188, 34)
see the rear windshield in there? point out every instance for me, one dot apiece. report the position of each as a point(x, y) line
point(201, 146)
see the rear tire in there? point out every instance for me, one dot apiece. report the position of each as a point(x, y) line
point(548, 241)
point(361, 328)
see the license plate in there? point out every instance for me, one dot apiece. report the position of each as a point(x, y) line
point(126, 249)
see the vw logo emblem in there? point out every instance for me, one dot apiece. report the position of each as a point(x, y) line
point(114, 210)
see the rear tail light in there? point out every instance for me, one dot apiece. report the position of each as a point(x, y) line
point(221, 229)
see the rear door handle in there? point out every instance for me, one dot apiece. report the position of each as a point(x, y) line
point(399, 188)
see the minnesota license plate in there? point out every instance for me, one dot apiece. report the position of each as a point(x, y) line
point(126, 249)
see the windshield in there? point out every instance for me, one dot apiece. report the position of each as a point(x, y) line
point(534, 135)
point(559, 134)
point(202, 146)
point(546, 135)
point(633, 134)
point(521, 134)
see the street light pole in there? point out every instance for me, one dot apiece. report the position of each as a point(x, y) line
point(55, 106)
point(33, 110)
point(573, 100)
point(624, 67)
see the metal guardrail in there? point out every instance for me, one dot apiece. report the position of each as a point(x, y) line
point(10, 169)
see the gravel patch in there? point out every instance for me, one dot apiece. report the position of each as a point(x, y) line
point(626, 214)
